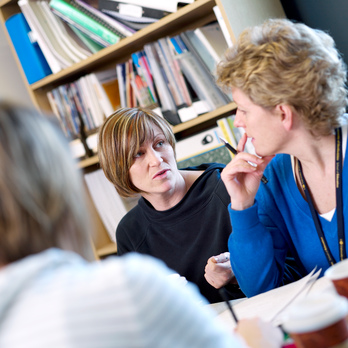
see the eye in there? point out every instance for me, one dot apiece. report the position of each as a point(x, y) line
point(138, 154)
point(160, 143)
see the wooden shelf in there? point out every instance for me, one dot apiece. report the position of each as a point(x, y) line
point(88, 162)
point(217, 113)
point(106, 250)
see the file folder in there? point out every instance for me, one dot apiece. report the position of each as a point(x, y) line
point(127, 10)
point(28, 51)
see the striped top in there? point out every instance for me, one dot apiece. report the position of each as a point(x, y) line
point(56, 299)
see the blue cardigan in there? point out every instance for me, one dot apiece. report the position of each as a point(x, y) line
point(280, 221)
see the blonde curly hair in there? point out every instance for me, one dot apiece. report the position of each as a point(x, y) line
point(282, 62)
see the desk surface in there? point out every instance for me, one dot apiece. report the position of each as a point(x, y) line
point(220, 307)
point(270, 306)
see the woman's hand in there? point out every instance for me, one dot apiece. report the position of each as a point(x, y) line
point(259, 334)
point(218, 270)
point(242, 176)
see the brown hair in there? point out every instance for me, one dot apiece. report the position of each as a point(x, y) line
point(120, 137)
point(281, 62)
point(42, 202)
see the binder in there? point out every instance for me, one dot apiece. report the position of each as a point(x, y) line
point(213, 39)
point(28, 51)
point(123, 8)
point(69, 45)
point(131, 22)
point(161, 7)
point(54, 62)
point(118, 27)
point(90, 26)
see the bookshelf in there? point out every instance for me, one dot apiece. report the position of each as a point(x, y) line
point(189, 17)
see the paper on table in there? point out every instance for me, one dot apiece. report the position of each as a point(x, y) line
point(269, 305)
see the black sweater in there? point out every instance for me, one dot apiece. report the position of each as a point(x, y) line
point(185, 236)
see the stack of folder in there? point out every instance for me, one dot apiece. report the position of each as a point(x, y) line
point(139, 13)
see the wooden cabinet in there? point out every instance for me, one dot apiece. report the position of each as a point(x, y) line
point(237, 14)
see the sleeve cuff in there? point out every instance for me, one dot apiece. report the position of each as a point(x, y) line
point(244, 219)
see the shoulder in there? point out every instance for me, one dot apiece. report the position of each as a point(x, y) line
point(132, 218)
point(207, 167)
point(209, 184)
point(280, 180)
point(131, 230)
point(203, 172)
point(279, 166)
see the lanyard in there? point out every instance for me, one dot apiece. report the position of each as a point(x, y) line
point(339, 204)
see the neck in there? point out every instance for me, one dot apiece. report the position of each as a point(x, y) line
point(316, 153)
point(166, 200)
point(317, 158)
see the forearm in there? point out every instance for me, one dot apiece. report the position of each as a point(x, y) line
point(256, 258)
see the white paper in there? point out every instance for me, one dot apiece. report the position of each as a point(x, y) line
point(270, 305)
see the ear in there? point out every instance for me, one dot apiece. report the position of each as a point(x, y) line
point(286, 114)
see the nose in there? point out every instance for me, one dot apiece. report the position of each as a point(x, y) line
point(155, 158)
point(238, 120)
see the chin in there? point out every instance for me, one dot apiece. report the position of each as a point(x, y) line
point(260, 153)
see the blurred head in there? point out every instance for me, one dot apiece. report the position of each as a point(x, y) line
point(281, 62)
point(120, 138)
point(42, 203)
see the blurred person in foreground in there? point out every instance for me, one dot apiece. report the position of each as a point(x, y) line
point(288, 81)
point(52, 295)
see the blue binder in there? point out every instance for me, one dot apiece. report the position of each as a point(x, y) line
point(29, 53)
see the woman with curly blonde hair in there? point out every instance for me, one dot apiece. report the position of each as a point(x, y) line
point(288, 82)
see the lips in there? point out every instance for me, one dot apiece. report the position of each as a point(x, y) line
point(160, 173)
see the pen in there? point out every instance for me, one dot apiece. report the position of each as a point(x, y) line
point(225, 298)
point(234, 151)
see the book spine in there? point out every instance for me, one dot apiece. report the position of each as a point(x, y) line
point(178, 74)
point(207, 44)
point(173, 87)
point(56, 112)
point(101, 95)
point(84, 20)
point(232, 137)
point(79, 106)
point(84, 100)
point(199, 81)
point(70, 111)
point(166, 99)
point(109, 204)
point(230, 121)
point(223, 25)
point(121, 79)
point(66, 125)
point(224, 127)
point(143, 70)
